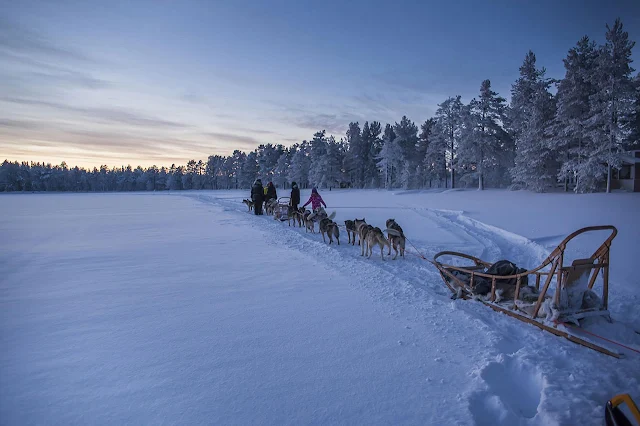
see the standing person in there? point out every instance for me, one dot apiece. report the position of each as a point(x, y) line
point(257, 196)
point(271, 192)
point(295, 195)
point(315, 199)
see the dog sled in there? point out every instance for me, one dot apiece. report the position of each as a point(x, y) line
point(560, 295)
point(282, 209)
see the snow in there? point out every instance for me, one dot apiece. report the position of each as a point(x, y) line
point(181, 307)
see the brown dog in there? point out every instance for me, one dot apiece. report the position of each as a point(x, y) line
point(375, 237)
point(331, 229)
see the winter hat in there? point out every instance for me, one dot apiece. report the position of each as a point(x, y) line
point(259, 181)
point(314, 190)
point(294, 183)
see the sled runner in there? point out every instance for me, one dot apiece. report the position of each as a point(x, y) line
point(561, 295)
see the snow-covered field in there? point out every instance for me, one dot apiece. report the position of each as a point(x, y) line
point(181, 308)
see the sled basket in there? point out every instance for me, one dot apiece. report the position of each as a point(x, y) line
point(545, 297)
point(282, 209)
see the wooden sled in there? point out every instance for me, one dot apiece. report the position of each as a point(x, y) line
point(572, 285)
point(282, 209)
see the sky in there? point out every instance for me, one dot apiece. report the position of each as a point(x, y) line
point(162, 82)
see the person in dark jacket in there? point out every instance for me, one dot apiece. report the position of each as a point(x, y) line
point(271, 192)
point(257, 196)
point(295, 195)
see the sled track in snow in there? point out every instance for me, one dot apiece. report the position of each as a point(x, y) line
point(511, 360)
point(498, 243)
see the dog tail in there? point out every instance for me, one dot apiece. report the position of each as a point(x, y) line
point(394, 232)
point(332, 215)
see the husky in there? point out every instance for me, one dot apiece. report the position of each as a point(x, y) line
point(397, 240)
point(331, 229)
point(270, 206)
point(358, 223)
point(351, 229)
point(363, 231)
point(320, 213)
point(376, 237)
point(292, 215)
point(298, 216)
point(249, 204)
point(309, 224)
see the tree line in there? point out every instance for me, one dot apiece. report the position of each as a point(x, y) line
point(573, 137)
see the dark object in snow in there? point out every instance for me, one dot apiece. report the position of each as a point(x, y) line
point(614, 416)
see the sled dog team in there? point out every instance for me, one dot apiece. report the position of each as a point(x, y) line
point(368, 236)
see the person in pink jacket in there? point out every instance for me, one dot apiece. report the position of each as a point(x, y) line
point(315, 200)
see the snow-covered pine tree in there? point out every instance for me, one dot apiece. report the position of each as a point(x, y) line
point(318, 156)
point(268, 159)
point(612, 104)
point(468, 146)
point(175, 178)
point(422, 147)
point(385, 158)
point(300, 165)
point(212, 171)
point(575, 147)
point(483, 133)
point(249, 170)
point(449, 119)
point(435, 161)
point(334, 159)
point(160, 181)
point(632, 141)
point(282, 169)
point(532, 112)
point(353, 160)
point(406, 140)
point(170, 183)
point(363, 152)
point(374, 145)
point(151, 177)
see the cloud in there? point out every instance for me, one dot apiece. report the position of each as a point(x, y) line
point(329, 122)
point(355, 109)
point(71, 78)
point(261, 132)
point(334, 123)
point(29, 62)
point(234, 138)
point(20, 124)
point(49, 139)
point(114, 115)
point(14, 38)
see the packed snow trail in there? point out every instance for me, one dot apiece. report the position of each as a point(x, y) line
point(536, 358)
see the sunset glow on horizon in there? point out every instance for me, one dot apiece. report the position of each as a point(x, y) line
point(161, 83)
